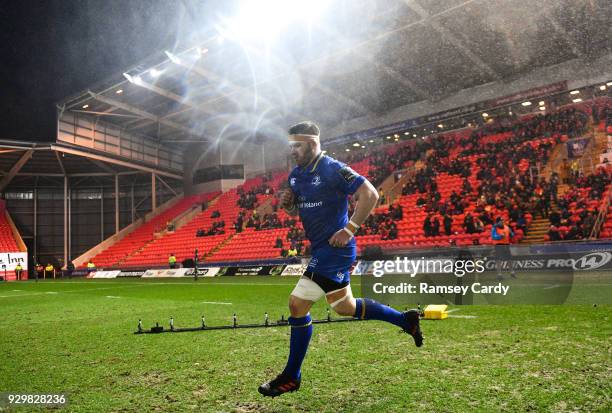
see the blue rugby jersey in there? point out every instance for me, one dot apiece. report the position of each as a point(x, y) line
point(322, 189)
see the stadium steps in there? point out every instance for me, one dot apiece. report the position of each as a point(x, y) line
point(540, 226)
point(136, 252)
point(537, 230)
point(555, 161)
point(186, 217)
point(220, 245)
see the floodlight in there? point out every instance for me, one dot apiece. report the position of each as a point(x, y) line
point(526, 103)
point(577, 100)
point(267, 18)
point(356, 144)
point(574, 92)
point(155, 72)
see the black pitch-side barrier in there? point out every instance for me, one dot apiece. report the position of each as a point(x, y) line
point(157, 329)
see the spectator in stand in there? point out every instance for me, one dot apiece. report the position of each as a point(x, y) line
point(521, 223)
point(396, 212)
point(555, 218)
point(468, 224)
point(393, 232)
point(278, 243)
point(587, 225)
point(574, 233)
point(91, 267)
point(479, 226)
point(172, 261)
point(448, 223)
point(383, 199)
point(200, 232)
point(435, 226)
point(427, 225)
point(554, 186)
point(169, 226)
point(554, 234)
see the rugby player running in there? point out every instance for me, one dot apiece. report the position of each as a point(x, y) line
point(319, 191)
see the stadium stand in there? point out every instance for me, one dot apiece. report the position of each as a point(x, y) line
point(7, 240)
point(117, 254)
point(458, 181)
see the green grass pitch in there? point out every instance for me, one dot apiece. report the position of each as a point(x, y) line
point(76, 337)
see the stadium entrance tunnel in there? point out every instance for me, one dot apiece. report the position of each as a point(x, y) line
point(545, 274)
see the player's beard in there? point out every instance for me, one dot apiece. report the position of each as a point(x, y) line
point(306, 158)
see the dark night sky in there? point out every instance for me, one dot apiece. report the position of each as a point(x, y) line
point(55, 48)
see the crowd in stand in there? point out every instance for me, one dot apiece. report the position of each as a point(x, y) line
point(248, 199)
point(296, 243)
point(574, 220)
point(384, 164)
point(383, 224)
point(217, 228)
point(504, 182)
point(503, 185)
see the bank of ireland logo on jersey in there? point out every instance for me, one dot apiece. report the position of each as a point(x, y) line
point(316, 181)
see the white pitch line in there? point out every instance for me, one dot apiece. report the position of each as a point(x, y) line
point(140, 285)
point(70, 291)
point(112, 296)
point(215, 302)
point(22, 295)
point(463, 316)
point(550, 287)
point(452, 310)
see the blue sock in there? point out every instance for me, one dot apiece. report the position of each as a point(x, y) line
point(368, 309)
point(301, 331)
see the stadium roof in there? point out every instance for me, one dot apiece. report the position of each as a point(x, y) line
point(360, 57)
point(23, 163)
